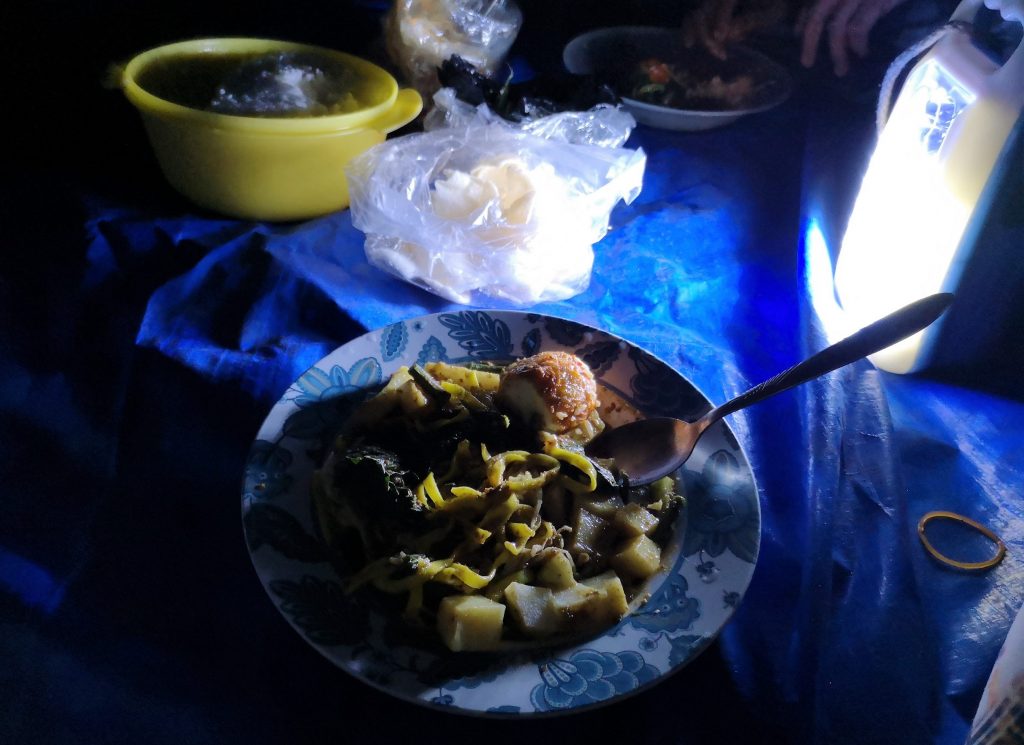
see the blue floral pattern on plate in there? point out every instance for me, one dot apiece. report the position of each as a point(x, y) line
point(315, 385)
point(432, 351)
point(266, 471)
point(669, 608)
point(568, 333)
point(590, 677)
point(326, 399)
point(531, 343)
point(723, 511)
point(481, 334)
point(393, 341)
point(600, 356)
point(718, 531)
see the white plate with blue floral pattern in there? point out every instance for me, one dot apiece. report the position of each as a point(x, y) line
point(719, 529)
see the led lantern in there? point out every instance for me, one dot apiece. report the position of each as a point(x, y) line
point(922, 198)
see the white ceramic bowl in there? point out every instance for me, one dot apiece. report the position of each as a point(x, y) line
point(609, 52)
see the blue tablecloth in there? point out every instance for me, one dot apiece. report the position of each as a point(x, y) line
point(137, 369)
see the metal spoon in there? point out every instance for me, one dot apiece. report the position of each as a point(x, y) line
point(648, 449)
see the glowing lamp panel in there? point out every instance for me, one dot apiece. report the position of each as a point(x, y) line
point(907, 222)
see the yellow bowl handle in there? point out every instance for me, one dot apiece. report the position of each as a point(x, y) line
point(113, 76)
point(408, 104)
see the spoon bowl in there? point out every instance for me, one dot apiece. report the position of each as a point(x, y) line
point(648, 449)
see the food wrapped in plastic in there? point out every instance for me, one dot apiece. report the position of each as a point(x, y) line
point(421, 34)
point(605, 125)
point(487, 211)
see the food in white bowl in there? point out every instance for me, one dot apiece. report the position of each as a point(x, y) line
point(472, 501)
point(667, 85)
point(663, 83)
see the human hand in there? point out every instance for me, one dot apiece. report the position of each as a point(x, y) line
point(849, 24)
point(715, 24)
point(1010, 10)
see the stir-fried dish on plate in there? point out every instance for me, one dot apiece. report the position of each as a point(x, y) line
point(463, 497)
point(663, 83)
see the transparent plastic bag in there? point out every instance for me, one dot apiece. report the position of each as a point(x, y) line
point(421, 34)
point(605, 125)
point(487, 213)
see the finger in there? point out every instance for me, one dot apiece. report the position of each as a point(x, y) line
point(765, 15)
point(709, 39)
point(801, 20)
point(1009, 10)
point(747, 23)
point(723, 18)
point(715, 46)
point(689, 36)
point(862, 23)
point(838, 37)
point(694, 23)
point(812, 30)
point(739, 30)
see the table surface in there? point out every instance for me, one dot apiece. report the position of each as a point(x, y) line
point(143, 342)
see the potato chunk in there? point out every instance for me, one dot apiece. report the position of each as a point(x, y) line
point(588, 530)
point(591, 604)
point(606, 507)
point(613, 596)
point(639, 558)
point(557, 572)
point(532, 609)
point(635, 519)
point(573, 601)
point(470, 622)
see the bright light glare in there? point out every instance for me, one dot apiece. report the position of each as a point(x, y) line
point(907, 222)
point(820, 284)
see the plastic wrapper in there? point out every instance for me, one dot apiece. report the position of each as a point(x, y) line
point(518, 101)
point(605, 125)
point(421, 34)
point(487, 212)
point(1004, 693)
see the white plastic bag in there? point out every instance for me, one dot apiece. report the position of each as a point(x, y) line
point(422, 34)
point(605, 125)
point(486, 212)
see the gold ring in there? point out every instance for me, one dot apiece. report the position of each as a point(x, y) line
point(970, 566)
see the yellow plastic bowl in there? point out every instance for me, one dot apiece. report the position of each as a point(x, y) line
point(264, 168)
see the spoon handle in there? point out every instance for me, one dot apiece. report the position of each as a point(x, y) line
point(870, 339)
